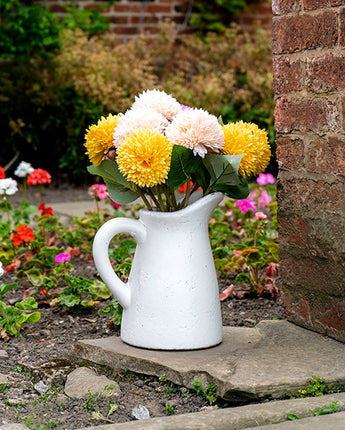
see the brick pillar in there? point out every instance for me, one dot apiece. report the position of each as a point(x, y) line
point(308, 42)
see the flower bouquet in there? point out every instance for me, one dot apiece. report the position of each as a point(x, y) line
point(158, 145)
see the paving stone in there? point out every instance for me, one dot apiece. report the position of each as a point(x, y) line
point(10, 426)
point(82, 380)
point(250, 364)
point(242, 417)
point(3, 355)
point(3, 379)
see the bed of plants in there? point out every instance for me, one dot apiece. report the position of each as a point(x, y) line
point(39, 254)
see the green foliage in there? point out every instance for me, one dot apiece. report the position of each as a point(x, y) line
point(13, 317)
point(26, 30)
point(57, 98)
point(114, 309)
point(88, 20)
point(215, 15)
point(209, 392)
point(317, 387)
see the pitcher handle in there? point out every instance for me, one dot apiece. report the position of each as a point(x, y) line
point(107, 231)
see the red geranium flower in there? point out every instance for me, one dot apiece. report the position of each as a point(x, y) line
point(2, 173)
point(183, 188)
point(44, 210)
point(39, 176)
point(24, 234)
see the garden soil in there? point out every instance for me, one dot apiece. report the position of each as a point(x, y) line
point(44, 352)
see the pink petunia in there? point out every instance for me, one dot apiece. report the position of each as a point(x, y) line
point(265, 178)
point(264, 199)
point(98, 191)
point(245, 205)
point(62, 258)
point(259, 216)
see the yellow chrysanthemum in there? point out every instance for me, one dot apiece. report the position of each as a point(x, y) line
point(99, 138)
point(144, 157)
point(247, 139)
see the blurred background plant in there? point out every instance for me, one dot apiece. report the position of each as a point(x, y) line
point(58, 77)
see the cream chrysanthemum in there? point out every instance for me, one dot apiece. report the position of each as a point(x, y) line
point(159, 101)
point(99, 138)
point(144, 157)
point(247, 139)
point(198, 130)
point(135, 119)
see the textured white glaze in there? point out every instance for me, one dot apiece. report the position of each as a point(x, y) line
point(171, 300)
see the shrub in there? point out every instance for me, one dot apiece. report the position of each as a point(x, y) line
point(58, 98)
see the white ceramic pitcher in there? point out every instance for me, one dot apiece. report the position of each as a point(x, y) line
point(171, 299)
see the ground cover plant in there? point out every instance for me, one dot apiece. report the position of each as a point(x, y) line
point(40, 252)
point(48, 265)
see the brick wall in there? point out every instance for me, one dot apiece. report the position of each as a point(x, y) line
point(129, 17)
point(308, 43)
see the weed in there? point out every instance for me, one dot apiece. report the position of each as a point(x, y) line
point(169, 409)
point(330, 409)
point(171, 389)
point(209, 392)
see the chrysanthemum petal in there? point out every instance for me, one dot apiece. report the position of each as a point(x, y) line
point(99, 138)
point(198, 130)
point(247, 139)
point(144, 157)
point(135, 119)
point(159, 101)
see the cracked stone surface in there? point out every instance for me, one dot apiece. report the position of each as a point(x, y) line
point(250, 364)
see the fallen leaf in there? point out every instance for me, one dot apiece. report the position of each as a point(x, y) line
point(4, 335)
point(226, 293)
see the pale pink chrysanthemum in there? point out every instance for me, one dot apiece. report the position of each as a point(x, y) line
point(135, 119)
point(159, 101)
point(198, 130)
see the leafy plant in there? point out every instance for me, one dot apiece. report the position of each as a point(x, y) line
point(13, 317)
point(209, 392)
point(215, 15)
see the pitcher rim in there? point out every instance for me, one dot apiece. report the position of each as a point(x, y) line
point(202, 201)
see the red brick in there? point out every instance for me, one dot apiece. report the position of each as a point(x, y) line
point(306, 115)
point(326, 235)
point(96, 6)
point(281, 7)
point(290, 153)
point(156, 8)
point(125, 30)
point(144, 20)
point(326, 73)
point(310, 196)
point(128, 8)
point(342, 27)
point(56, 8)
point(333, 316)
point(119, 19)
point(326, 156)
point(317, 4)
point(292, 230)
point(287, 75)
point(297, 33)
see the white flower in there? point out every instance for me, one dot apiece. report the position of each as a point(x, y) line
point(23, 169)
point(1, 269)
point(136, 119)
point(159, 101)
point(8, 186)
point(198, 130)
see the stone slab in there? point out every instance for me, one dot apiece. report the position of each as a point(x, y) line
point(246, 417)
point(250, 364)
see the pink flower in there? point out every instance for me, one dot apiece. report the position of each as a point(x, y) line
point(264, 199)
point(245, 205)
point(265, 178)
point(62, 258)
point(98, 191)
point(114, 204)
point(259, 216)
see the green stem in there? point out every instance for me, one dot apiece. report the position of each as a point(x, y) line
point(160, 200)
point(24, 191)
point(142, 195)
point(170, 196)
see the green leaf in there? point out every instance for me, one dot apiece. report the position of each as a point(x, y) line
point(28, 303)
point(292, 417)
point(223, 170)
point(33, 317)
point(119, 188)
point(5, 288)
point(181, 164)
point(70, 300)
